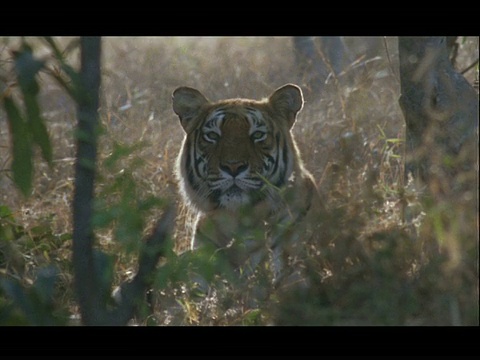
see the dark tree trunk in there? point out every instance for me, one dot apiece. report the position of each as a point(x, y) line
point(335, 53)
point(317, 60)
point(92, 303)
point(311, 69)
point(439, 105)
point(83, 238)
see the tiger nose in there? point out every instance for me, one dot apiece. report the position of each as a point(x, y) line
point(234, 168)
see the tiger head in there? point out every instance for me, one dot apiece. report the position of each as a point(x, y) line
point(235, 151)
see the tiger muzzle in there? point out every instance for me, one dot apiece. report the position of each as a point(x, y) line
point(234, 168)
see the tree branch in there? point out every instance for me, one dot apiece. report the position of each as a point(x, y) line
point(469, 67)
point(131, 293)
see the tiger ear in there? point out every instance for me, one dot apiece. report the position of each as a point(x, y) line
point(288, 101)
point(187, 102)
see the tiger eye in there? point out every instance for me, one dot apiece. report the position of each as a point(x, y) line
point(212, 136)
point(258, 135)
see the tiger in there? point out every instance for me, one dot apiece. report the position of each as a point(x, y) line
point(239, 169)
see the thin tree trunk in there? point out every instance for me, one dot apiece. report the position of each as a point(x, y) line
point(83, 237)
point(311, 68)
point(335, 53)
point(319, 58)
point(93, 307)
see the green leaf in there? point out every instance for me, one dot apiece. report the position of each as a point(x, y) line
point(252, 317)
point(121, 151)
point(35, 302)
point(382, 133)
point(16, 292)
point(104, 269)
point(53, 46)
point(394, 141)
point(149, 203)
point(22, 147)
point(45, 283)
point(75, 90)
point(5, 212)
point(103, 217)
point(37, 127)
point(67, 87)
point(27, 67)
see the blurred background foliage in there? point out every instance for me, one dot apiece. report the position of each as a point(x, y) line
point(400, 258)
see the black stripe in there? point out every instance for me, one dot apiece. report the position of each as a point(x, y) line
point(197, 155)
point(192, 171)
point(277, 160)
point(215, 196)
point(190, 176)
point(285, 162)
point(269, 160)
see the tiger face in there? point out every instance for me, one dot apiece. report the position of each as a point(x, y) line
point(238, 151)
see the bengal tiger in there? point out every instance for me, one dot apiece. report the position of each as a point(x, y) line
point(240, 170)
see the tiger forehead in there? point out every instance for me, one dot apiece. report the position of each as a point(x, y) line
point(235, 118)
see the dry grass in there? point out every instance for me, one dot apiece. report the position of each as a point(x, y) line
point(387, 267)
